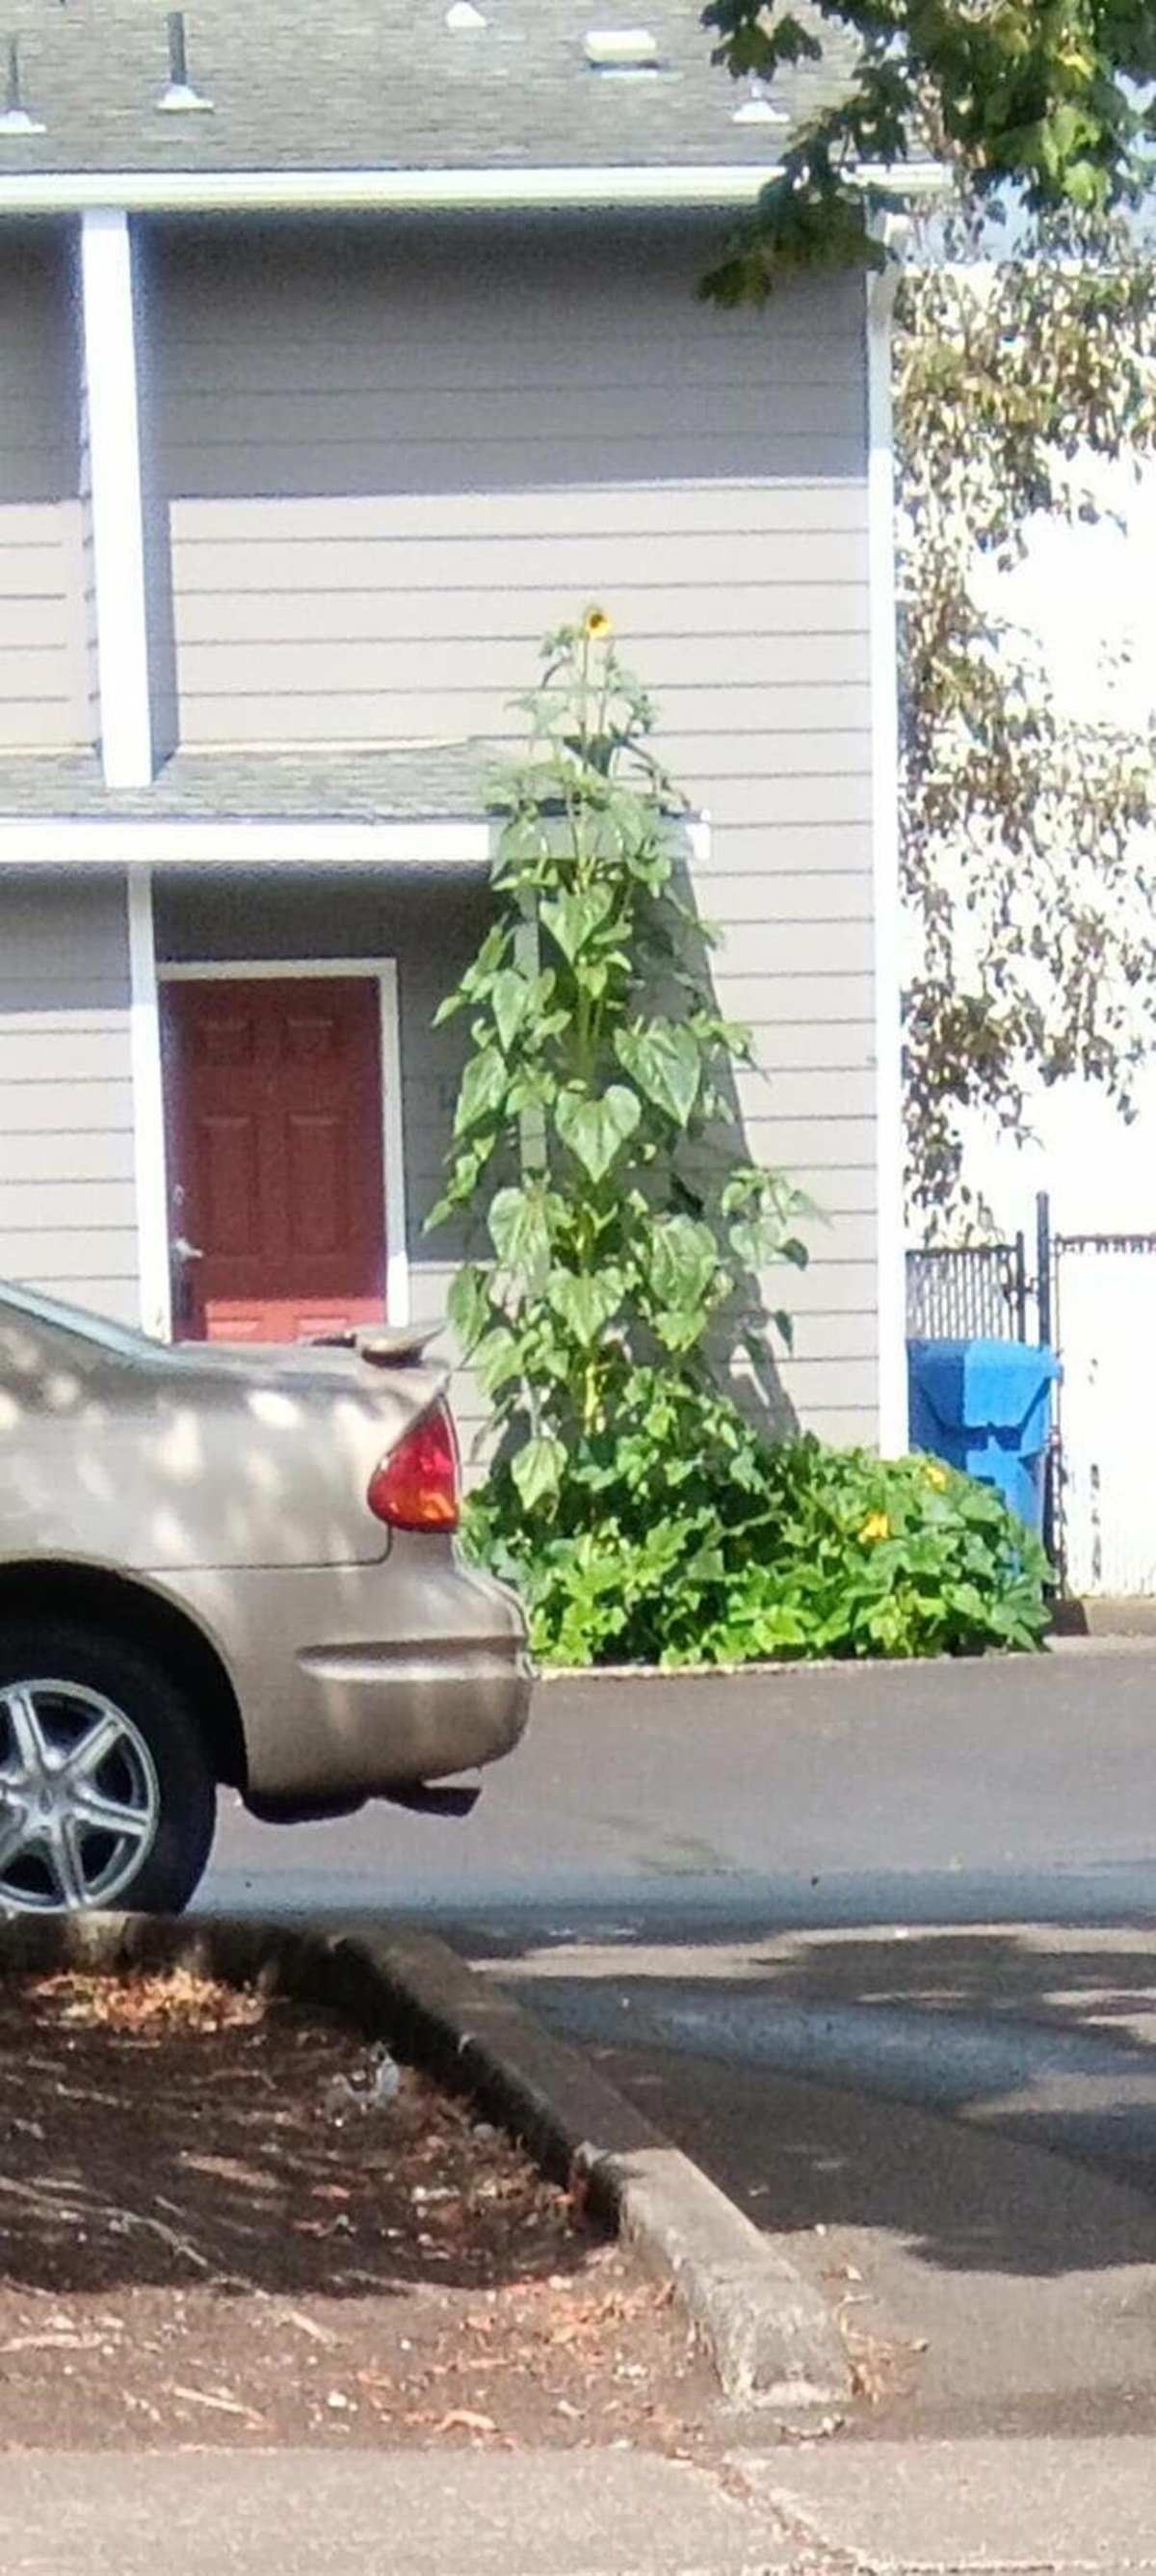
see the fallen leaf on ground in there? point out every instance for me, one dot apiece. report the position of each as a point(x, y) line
point(220, 2405)
point(53, 2343)
point(309, 2326)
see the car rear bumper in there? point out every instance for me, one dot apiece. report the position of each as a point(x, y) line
point(356, 1681)
point(396, 1716)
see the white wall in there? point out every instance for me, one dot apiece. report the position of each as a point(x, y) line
point(1089, 594)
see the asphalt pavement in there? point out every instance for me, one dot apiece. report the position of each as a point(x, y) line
point(1018, 1792)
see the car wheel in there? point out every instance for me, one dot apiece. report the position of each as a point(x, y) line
point(107, 1793)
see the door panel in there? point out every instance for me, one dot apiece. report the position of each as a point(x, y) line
point(273, 1106)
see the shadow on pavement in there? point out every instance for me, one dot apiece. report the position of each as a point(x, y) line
point(889, 2080)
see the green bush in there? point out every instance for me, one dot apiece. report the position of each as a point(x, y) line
point(733, 1552)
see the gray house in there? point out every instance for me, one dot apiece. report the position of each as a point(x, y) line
point(343, 352)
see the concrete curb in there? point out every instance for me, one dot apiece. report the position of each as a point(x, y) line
point(769, 2335)
point(1103, 1617)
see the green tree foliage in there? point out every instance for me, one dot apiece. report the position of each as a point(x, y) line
point(1048, 101)
point(1028, 880)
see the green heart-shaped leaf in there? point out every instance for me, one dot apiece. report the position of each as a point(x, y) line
point(537, 1469)
point(483, 1086)
point(585, 1303)
point(666, 1063)
point(596, 1130)
point(520, 1234)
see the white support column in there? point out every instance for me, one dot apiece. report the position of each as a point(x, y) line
point(891, 1295)
point(110, 362)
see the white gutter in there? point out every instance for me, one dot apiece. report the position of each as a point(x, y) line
point(138, 192)
point(143, 840)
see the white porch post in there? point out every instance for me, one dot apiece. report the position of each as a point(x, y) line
point(110, 367)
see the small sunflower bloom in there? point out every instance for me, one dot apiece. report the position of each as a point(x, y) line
point(875, 1527)
point(936, 1477)
point(596, 626)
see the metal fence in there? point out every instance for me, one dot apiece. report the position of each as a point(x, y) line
point(976, 1292)
point(1092, 1298)
point(1104, 1322)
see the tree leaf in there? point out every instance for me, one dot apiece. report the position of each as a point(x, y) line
point(665, 1060)
point(596, 1130)
point(537, 1468)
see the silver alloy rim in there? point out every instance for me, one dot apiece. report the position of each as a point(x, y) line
point(79, 1798)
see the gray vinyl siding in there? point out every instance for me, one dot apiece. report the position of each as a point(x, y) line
point(44, 694)
point(154, 509)
point(393, 460)
point(67, 1194)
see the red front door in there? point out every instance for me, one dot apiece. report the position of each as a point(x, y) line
point(273, 1098)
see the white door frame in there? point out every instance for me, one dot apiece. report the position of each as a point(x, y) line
point(383, 972)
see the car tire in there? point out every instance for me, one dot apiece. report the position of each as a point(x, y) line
point(130, 1825)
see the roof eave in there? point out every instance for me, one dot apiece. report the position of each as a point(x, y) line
point(717, 185)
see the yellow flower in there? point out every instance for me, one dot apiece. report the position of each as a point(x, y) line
point(936, 1476)
point(596, 625)
point(874, 1527)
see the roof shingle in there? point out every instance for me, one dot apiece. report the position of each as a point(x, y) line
point(439, 782)
point(381, 85)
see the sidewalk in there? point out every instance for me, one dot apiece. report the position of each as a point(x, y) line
point(295, 2513)
point(1042, 2505)
point(908, 2509)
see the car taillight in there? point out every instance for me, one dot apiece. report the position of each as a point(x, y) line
point(416, 1487)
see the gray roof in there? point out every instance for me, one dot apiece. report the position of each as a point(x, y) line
point(440, 783)
point(381, 85)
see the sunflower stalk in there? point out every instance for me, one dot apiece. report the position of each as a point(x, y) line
point(623, 1251)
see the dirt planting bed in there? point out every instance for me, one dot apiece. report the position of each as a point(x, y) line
point(225, 2219)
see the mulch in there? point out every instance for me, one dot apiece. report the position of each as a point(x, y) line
point(226, 2221)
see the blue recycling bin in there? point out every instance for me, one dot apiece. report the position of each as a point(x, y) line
point(986, 1408)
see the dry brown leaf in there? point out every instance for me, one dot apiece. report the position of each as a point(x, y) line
point(309, 2326)
point(465, 2419)
point(218, 2402)
point(53, 2343)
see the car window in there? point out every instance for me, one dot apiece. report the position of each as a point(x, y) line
point(98, 1329)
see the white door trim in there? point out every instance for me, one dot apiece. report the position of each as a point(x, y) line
point(148, 1113)
point(383, 972)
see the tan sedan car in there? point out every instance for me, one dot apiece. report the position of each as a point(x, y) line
point(225, 1565)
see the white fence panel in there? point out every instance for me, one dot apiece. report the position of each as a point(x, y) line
point(1106, 1331)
